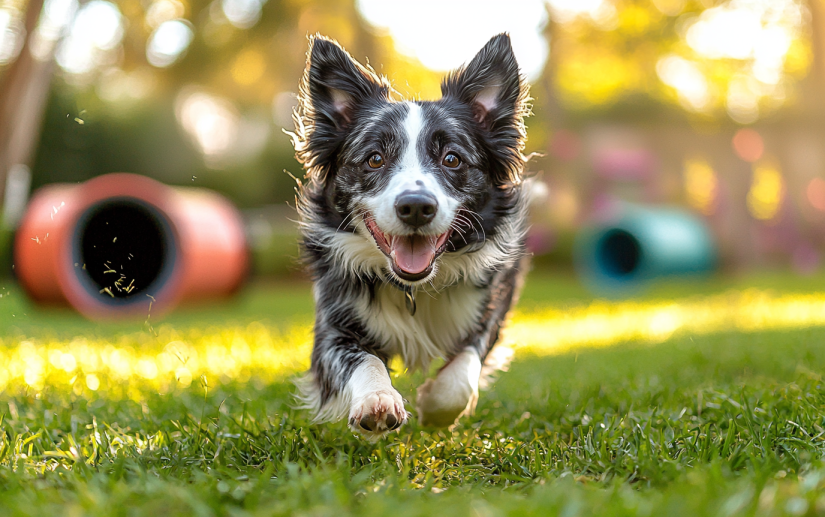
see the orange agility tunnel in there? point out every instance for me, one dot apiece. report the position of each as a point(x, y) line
point(112, 245)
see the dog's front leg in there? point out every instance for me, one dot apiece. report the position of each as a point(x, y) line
point(375, 407)
point(454, 391)
point(347, 381)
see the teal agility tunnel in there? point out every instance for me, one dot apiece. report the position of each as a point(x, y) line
point(621, 255)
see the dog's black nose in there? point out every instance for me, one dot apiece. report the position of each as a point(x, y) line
point(416, 208)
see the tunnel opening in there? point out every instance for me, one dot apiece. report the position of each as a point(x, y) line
point(619, 254)
point(124, 248)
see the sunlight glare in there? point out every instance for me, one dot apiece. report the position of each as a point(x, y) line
point(444, 34)
point(725, 32)
point(212, 122)
point(600, 12)
point(97, 29)
point(687, 79)
point(756, 31)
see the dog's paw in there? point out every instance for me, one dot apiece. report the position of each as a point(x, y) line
point(454, 391)
point(377, 413)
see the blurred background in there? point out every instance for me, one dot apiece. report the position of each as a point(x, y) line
point(716, 107)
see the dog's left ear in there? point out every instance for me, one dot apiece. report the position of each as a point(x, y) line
point(498, 95)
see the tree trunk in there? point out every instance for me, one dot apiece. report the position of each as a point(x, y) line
point(24, 88)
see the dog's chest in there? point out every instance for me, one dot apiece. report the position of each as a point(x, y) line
point(441, 320)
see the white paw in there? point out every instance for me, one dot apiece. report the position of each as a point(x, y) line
point(376, 408)
point(452, 393)
point(377, 413)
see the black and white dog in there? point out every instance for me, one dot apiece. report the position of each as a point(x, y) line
point(413, 219)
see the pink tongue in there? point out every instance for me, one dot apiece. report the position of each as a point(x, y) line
point(413, 253)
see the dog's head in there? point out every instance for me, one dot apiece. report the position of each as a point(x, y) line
point(417, 179)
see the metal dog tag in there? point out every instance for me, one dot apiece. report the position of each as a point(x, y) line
point(410, 299)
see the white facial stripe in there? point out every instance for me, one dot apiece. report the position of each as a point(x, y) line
point(410, 174)
point(413, 125)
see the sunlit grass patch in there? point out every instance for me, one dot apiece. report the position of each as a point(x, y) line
point(555, 330)
point(133, 364)
point(169, 359)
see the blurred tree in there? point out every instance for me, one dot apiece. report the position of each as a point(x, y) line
point(187, 91)
point(196, 91)
point(716, 60)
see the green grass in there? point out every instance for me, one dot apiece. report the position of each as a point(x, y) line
point(729, 423)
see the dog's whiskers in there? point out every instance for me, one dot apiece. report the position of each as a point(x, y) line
point(478, 219)
point(457, 228)
point(475, 215)
point(353, 215)
point(469, 223)
point(350, 214)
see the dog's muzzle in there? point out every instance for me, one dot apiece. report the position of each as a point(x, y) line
point(412, 256)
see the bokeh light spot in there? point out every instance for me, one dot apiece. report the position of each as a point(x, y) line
point(163, 11)
point(701, 185)
point(68, 362)
point(243, 14)
point(168, 42)
point(766, 192)
point(687, 79)
point(816, 193)
point(92, 382)
point(748, 145)
point(212, 122)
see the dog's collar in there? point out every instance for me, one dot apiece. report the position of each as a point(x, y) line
point(409, 294)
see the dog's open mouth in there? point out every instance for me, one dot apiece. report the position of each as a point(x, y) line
point(412, 256)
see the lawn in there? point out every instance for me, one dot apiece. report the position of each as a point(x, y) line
point(699, 397)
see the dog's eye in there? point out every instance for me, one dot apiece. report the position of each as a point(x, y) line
point(376, 161)
point(452, 161)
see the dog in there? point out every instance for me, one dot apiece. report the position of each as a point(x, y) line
point(413, 221)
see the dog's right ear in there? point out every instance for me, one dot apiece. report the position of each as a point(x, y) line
point(334, 89)
point(336, 86)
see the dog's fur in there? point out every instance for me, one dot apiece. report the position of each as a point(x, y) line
point(374, 297)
